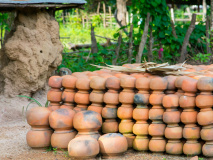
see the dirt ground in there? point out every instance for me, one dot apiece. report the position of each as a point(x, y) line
point(13, 130)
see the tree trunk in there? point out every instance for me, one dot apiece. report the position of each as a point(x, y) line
point(130, 44)
point(186, 39)
point(204, 10)
point(208, 49)
point(121, 14)
point(211, 26)
point(143, 39)
point(150, 55)
point(117, 50)
point(173, 29)
point(94, 47)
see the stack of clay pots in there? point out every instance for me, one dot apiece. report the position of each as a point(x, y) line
point(171, 114)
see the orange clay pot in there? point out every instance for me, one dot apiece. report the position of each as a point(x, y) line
point(112, 144)
point(189, 85)
point(67, 106)
point(39, 137)
point(60, 139)
point(142, 84)
point(189, 116)
point(157, 128)
point(206, 133)
point(187, 102)
point(83, 148)
point(141, 143)
point(171, 116)
point(126, 126)
point(110, 126)
point(68, 96)
point(207, 149)
point(55, 82)
point(62, 119)
point(69, 82)
point(54, 95)
point(173, 132)
point(125, 112)
point(191, 132)
point(174, 147)
point(205, 117)
point(178, 84)
point(38, 116)
point(192, 148)
point(130, 138)
point(171, 84)
point(157, 144)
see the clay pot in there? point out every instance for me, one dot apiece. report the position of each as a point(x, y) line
point(141, 128)
point(126, 126)
point(109, 112)
point(171, 84)
point(68, 96)
point(87, 121)
point(54, 95)
point(174, 147)
point(189, 85)
point(53, 106)
point(113, 83)
point(91, 134)
point(62, 119)
point(141, 114)
point(83, 147)
point(205, 117)
point(69, 82)
point(192, 148)
point(173, 132)
point(205, 84)
point(156, 113)
point(125, 112)
point(191, 132)
point(67, 106)
point(178, 84)
point(204, 100)
point(189, 116)
point(170, 101)
point(171, 116)
point(112, 144)
point(55, 82)
point(141, 143)
point(60, 139)
point(130, 138)
point(187, 102)
point(157, 144)
point(207, 149)
point(39, 137)
point(157, 128)
point(142, 84)
point(207, 132)
point(110, 126)
point(158, 84)
point(38, 116)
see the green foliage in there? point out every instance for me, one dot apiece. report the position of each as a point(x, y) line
point(203, 58)
point(96, 20)
point(34, 100)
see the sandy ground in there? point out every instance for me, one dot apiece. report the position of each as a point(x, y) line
point(13, 130)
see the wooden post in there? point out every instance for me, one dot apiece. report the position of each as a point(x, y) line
point(130, 44)
point(87, 21)
point(186, 39)
point(83, 21)
point(150, 55)
point(104, 8)
point(117, 50)
point(94, 46)
point(143, 39)
point(110, 14)
point(204, 10)
point(208, 49)
point(188, 10)
point(98, 9)
point(172, 15)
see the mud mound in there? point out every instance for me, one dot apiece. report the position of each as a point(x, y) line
point(33, 51)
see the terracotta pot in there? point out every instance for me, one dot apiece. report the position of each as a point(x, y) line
point(192, 148)
point(156, 113)
point(158, 84)
point(109, 112)
point(157, 128)
point(83, 84)
point(94, 134)
point(87, 121)
point(174, 147)
point(141, 99)
point(171, 116)
point(39, 137)
point(126, 126)
point(189, 116)
point(205, 117)
point(191, 132)
point(157, 144)
point(60, 139)
point(173, 132)
point(53, 106)
point(130, 138)
point(69, 82)
point(38, 116)
point(126, 96)
point(187, 102)
point(207, 149)
point(110, 126)
point(112, 144)
point(55, 82)
point(141, 128)
point(170, 101)
point(141, 113)
point(207, 132)
point(141, 143)
point(171, 84)
point(95, 108)
point(62, 119)
point(142, 84)
point(67, 106)
point(205, 84)
point(204, 100)
point(68, 96)
point(82, 98)
point(83, 147)
point(111, 97)
point(189, 85)
point(98, 83)
point(178, 84)
point(125, 112)
point(54, 95)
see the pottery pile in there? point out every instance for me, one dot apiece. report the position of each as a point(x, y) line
point(171, 114)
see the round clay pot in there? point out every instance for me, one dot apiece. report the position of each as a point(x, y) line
point(173, 132)
point(69, 82)
point(142, 84)
point(204, 100)
point(126, 96)
point(110, 126)
point(156, 113)
point(111, 97)
point(189, 116)
point(68, 96)
point(109, 112)
point(171, 84)
point(192, 148)
point(141, 143)
point(171, 116)
point(128, 82)
point(174, 147)
point(130, 138)
point(54, 95)
point(140, 128)
point(126, 126)
point(170, 101)
point(112, 144)
point(157, 144)
point(55, 82)
point(39, 137)
point(189, 85)
point(62, 119)
point(187, 102)
point(53, 106)
point(141, 99)
point(205, 84)
point(94, 134)
point(82, 98)
point(157, 129)
point(191, 132)
point(141, 114)
point(83, 84)
point(60, 139)
point(113, 83)
point(205, 117)
point(95, 108)
point(158, 84)
point(207, 149)
point(38, 116)
point(125, 112)
point(87, 121)
point(206, 133)
point(98, 83)
point(67, 106)
point(83, 147)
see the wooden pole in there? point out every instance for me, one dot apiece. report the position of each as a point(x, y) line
point(204, 10)
point(94, 47)
point(83, 21)
point(104, 8)
point(150, 55)
point(130, 44)
point(211, 25)
point(117, 50)
point(208, 49)
point(186, 39)
point(110, 14)
point(98, 9)
point(143, 39)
